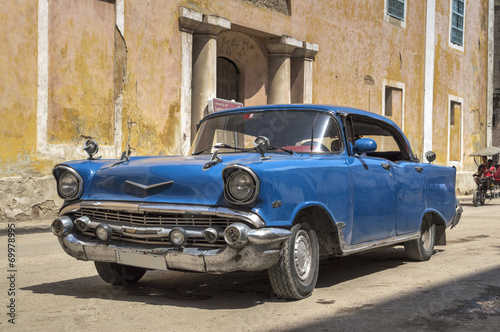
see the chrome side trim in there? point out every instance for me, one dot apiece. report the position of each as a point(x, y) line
point(348, 250)
point(247, 216)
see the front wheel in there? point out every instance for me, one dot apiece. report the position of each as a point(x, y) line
point(482, 197)
point(118, 274)
point(475, 197)
point(295, 273)
point(422, 248)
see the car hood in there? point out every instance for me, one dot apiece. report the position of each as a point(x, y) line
point(165, 179)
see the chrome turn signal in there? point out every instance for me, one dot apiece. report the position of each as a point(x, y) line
point(62, 226)
point(178, 237)
point(211, 234)
point(82, 223)
point(236, 235)
point(103, 232)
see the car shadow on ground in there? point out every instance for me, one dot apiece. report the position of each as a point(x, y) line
point(226, 291)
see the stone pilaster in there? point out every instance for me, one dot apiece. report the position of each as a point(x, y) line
point(204, 84)
point(301, 73)
point(280, 51)
point(188, 21)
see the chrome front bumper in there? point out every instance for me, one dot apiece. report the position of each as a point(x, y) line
point(140, 236)
point(260, 253)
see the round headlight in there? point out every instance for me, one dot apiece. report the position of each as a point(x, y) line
point(68, 185)
point(241, 186)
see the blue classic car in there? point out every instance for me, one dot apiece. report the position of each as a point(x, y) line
point(270, 187)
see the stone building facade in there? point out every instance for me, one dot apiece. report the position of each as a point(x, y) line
point(137, 75)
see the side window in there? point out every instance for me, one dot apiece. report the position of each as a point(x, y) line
point(396, 9)
point(395, 12)
point(389, 144)
point(457, 22)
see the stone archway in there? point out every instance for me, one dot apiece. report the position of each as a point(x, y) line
point(251, 62)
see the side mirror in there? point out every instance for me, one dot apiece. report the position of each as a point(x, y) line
point(365, 145)
point(430, 156)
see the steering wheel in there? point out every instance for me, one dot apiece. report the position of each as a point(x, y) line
point(316, 145)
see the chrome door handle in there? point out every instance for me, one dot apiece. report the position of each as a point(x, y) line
point(419, 169)
point(386, 166)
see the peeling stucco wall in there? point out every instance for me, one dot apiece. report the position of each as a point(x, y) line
point(26, 199)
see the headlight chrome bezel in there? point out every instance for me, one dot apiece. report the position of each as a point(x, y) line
point(231, 173)
point(61, 171)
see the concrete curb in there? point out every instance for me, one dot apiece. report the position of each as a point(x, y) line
point(27, 228)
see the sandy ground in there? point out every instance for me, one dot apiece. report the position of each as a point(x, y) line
point(457, 290)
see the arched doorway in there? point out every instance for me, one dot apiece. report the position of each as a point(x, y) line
point(228, 79)
point(240, 55)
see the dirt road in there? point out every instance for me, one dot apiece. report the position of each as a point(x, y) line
point(457, 290)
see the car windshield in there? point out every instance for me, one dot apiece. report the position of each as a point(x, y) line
point(299, 131)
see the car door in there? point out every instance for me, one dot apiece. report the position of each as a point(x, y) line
point(374, 207)
point(410, 195)
point(374, 192)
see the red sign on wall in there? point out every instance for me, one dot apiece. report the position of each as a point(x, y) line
point(217, 104)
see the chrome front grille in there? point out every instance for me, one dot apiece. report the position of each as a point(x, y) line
point(156, 219)
point(166, 220)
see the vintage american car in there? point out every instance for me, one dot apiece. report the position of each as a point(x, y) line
point(271, 187)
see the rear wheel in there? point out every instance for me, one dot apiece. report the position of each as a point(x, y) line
point(422, 248)
point(117, 274)
point(295, 273)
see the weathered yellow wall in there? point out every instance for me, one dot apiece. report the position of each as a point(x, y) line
point(81, 70)
point(90, 67)
point(18, 86)
point(354, 41)
point(152, 86)
point(461, 74)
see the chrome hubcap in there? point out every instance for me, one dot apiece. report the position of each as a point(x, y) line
point(302, 255)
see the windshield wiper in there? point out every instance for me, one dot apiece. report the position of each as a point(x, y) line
point(272, 147)
point(220, 146)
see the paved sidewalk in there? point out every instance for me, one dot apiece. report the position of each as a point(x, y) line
point(27, 227)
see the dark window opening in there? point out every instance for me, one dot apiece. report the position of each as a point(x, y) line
point(228, 79)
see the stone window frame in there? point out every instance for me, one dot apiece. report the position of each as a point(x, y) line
point(397, 85)
point(455, 100)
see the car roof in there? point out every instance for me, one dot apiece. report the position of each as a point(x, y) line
point(311, 107)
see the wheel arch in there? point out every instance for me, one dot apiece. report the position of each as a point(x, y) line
point(438, 220)
point(325, 227)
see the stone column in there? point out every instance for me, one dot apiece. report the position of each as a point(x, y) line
point(301, 73)
point(205, 66)
point(280, 50)
point(188, 21)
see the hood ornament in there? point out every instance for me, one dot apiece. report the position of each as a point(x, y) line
point(262, 146)
point(152, 186)
point(214, 160)
point(91, 147)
